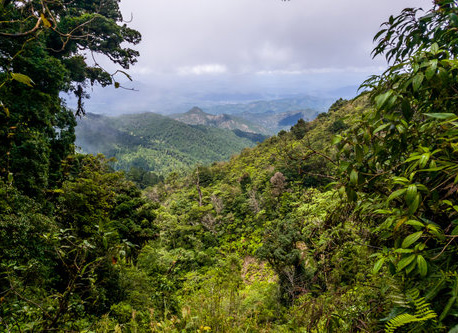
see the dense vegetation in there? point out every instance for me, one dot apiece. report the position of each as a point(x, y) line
point(158, 144)
point(347, 223)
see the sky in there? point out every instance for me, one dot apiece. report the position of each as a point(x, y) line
point(198, 52)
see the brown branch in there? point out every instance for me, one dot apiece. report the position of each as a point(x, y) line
point(22, 34)
point(445, 247)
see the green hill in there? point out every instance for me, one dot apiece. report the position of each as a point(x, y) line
point(156, 143)
point(196, 116)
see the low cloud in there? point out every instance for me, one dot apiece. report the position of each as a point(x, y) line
point(211, 69)
point(324, 70)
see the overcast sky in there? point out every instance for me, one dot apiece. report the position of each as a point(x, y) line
point(268, 48)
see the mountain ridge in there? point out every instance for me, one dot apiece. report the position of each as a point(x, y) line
point(158, 143)
point(196, 116)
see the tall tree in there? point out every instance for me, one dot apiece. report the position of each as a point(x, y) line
point(44, 46)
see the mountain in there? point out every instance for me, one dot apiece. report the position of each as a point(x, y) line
point(196, 116)
point(270, 116)
point(274, 122)
point(275, 106)
point(157, 143)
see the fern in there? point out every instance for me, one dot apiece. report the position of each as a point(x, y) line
point(423, 312)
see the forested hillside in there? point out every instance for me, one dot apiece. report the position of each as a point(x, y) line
point(152, 142)
point(196, 116)
point(347, 223)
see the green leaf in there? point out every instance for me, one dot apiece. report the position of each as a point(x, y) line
point(455, 231)
point(409, 240)
point(405, 261)
point(411, 267)
point(404, 251)
point(351, 194)
point(381, 128)
point(435, 290)
point(400, 180)
point(447, 308)
point(417, 80)
point(454, 329)
point(336, 139)
point(22, 78)
point(411, 193)
point(441, 116)
point(433, 169)
point(429, 73)
point(406, 109)
point(401, 129)
point(354, 177)
point(434, 48)
point(382, 99)
point(396, 194)
point(413, 157)
point(117, 85)
point(378, 265)
point(415, 223)
point(359, 152)
point(413, 206)
point(422, 265)
point(424, 159)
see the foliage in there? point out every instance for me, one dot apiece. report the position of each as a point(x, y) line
point(346, 223)
point(43, 46)
point(402, 155)
point(54, 269)
point(422, 313)
point(156, 143)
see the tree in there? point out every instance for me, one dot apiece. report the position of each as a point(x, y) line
point(43, 51)
point(402, 159)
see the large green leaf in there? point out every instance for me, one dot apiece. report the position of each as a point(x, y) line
point(396, 194)
point(409, 240)
point(411, 193)
point(441, 116)
point(405, 261)
point(422, 265)
point(378, 265)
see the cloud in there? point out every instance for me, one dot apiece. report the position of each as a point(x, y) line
point(202, 69)
point(198, 36)
point(324, 70)
point(194, 48)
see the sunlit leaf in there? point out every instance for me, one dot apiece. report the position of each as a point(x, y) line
point(409, 240)
point(45, 21)
point(22, 78)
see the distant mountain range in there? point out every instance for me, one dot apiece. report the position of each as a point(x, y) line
point(260, 117)
point(157, 143)
point(275, 106)
point(274, 115)
point(196, 116)
point(274, 122)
